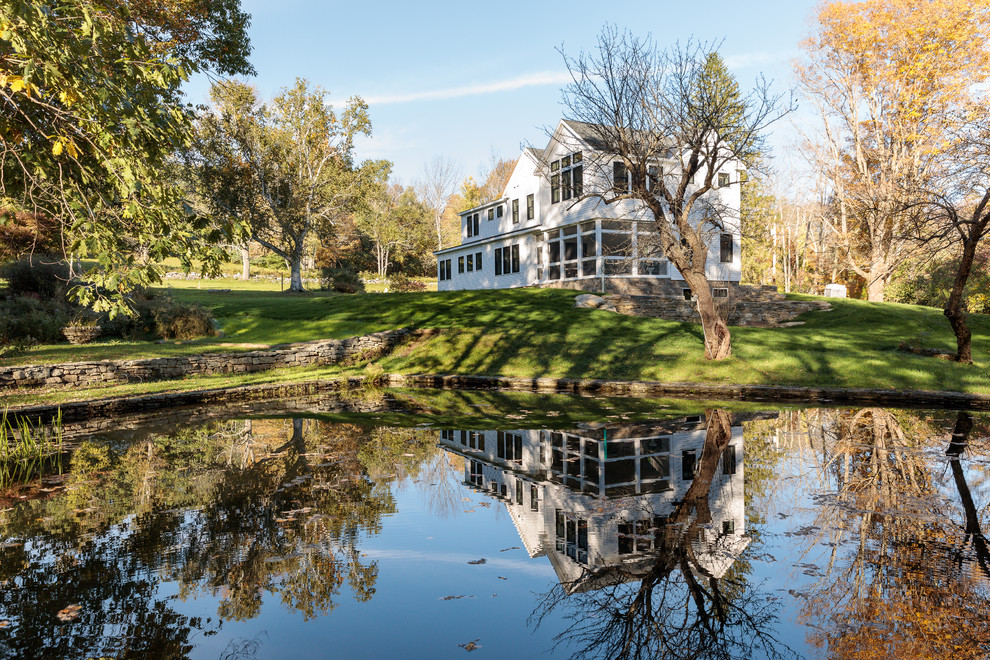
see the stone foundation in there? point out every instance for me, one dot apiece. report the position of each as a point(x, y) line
point(323, 352)
point(745, 306)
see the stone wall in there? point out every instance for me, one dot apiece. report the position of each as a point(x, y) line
point(745, 306)
point(323, 352)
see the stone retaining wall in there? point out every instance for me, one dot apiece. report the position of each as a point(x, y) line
point(756, 311)
point(323, 352)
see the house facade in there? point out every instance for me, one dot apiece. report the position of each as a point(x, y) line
point(543, 233)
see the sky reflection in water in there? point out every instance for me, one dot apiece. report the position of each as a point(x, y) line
point(815, 533)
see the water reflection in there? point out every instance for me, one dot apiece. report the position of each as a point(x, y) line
point(823, 532)
point(643, 525)
point(238, 511)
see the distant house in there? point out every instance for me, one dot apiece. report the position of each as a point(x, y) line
point(541, 233)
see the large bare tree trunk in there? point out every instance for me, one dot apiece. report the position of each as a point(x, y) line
point(295, 270)
point(718, 341)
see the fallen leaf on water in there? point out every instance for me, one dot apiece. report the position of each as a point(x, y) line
point(502, 578)
point(465, 499)
point(4, 623)
point(453, 597)
point(478, 561)
point(515, 547)
point(469, 511)
point(470, 646)
point(69, 613)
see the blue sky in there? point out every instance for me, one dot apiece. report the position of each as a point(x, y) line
point(466, 79)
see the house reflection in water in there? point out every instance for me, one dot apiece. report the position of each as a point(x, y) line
point(597, 498)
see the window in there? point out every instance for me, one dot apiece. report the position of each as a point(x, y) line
point(534, 498)
point(687, 294)
point(515, 211)
point(477, 261)
point(506, 260)
point(473, 225)
point(445, 269)
point(519, 491)
point(509, 446)
point(491, 214)
point(720, 293)
point(530, 207)
point(460, 264)
point(723, 179)
point(500, 210)
point(470, 263)
point(728, 526)
point(620, 177)
point(688, 461)
point(470, 227)
point(729, 460)
point(725, 249)
point(566, 178)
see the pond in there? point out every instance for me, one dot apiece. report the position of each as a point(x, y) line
point(434, 526)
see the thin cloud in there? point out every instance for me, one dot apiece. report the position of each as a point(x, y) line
point(747, 60)
point(528, 80)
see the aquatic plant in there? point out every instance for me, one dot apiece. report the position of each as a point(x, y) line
point(28, 450)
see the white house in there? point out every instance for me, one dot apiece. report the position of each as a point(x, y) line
point(541, 233)
point(595, 498)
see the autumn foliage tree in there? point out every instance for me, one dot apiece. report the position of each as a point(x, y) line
point(887, 79)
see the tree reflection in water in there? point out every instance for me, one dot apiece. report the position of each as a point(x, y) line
point(671, 605)
point(905, 576)
point(230, 509)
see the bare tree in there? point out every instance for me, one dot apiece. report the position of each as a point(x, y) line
point(664, 124)
point(440, 179)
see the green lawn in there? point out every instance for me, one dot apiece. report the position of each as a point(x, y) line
point(534, 332)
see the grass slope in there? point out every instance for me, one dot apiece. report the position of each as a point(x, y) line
point(538, 332)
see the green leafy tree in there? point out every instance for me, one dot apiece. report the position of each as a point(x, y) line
point(90, 116)
point(286, 169)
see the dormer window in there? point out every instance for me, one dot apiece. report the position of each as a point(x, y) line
point(473, 225)
point(723, 179)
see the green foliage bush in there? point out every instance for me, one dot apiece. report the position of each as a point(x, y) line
point(341, 280)
point(28, 320)
point(930, 283)
point(38, 275)
point(402, 283)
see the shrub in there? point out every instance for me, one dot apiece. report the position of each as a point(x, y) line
point(929, 283)
point(342, 280)
point(26, 320)
point(402, 283)
point(172, 320)
point(44, 277)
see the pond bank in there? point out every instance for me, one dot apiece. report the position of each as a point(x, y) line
point(83, 409)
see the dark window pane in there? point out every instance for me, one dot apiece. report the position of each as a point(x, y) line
point(553, 273)
point(729, 458)
point(617, 245)
point(530, 207)
point(477, 261)
point(460, 264)
point(688, 458)
point(577, 181)
point(570, 269)
point(506, 261)
point(726, 248)
point(565, 184)
point(589, 248)
point(500, 211)
point(515, 211)
point(554, 188)
point(515, 258)
point(470, 262)
point(570, 249)
point(554, 256)
point(589, 267)
point(620, 176)
point(498, 261)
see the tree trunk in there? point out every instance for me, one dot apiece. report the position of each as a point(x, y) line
point(295, 270)
point(245, 262)
point(874, 288)
point(718, 344)
point(954, 307)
